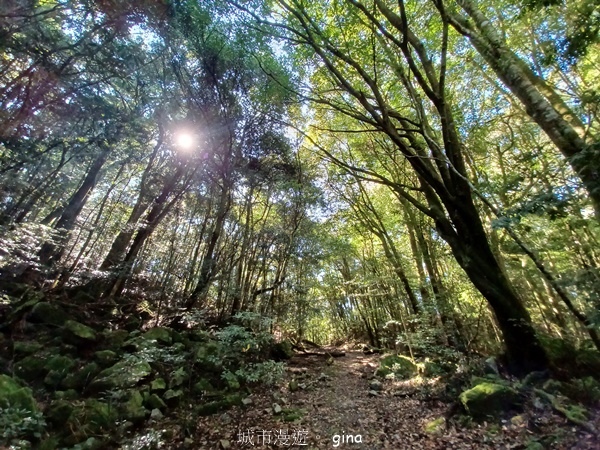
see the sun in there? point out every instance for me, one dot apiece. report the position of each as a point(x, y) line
point(185, 140)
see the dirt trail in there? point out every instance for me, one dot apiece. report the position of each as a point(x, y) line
point(333, 402)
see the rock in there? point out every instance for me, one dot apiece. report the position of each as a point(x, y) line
point(247, 401)
point(106, 358)
point(207, 357)
point(178, 377)
point(203, 386)
point(173, 397)
point(59, 367)
point(155, 402)
point(133, 409)
point(79, 379)
point(47, 313)
point(25, 348)
point(373, 393)
point(13, 395)
point(69, 394)
point(225, 419)
point(115, 338)
point(276, 408)
point(31, 368)
point(159, 334)
point(282, 350)
point(78, 334)
point(436, 426)
point(59, 413)
point(158, 385)
point(155, 414)
point(488, 399)
point(213, 407)
point(225, 444)
point(376, 385)
point(491, 366)
point(125, 374)
point(323, 377)
point(91, 417)
point(399, 366)
point(293, 386)
point(518, 420)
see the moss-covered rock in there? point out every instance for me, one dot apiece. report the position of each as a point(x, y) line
point(31, 368)
point(125, 374)
point(172, 397)
point(79, 379)
point(48, 313)
point(282, 350)
point(160, 334)
point(155, 402)
point(178, 377)
point(106, 358)
point(59, 412)
point(133, 409)
point(158, 385)
point(488, 399)
point(435, 426)
point(60, 366)
point(202, 386)
point(26, 348)
point(13, 395)
point(78, 334)
point(213, 407)
point(114, 339)
point(69, 394)
point(91, 417)
point(399, 366)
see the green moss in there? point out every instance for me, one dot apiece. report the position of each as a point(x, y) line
point(488, 399)
point(159, 334)
point(435, 426)
point(13, 395)
point(400, 366)
point(124, 374)
point(78, 333)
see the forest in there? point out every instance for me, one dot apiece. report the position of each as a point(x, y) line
point(372, 223)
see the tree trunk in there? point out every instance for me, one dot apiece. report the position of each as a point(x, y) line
point(51, 252)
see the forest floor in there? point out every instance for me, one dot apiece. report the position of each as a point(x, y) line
point(335, 407)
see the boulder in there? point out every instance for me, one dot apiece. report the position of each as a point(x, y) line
point(115, 338)
point(59, 412)
point(106, 358)
point(47, 313)
point(26, 348)
point(31, 368)
point(160, 334)
point(282, 350)
point(79, 379)
point(158, 385)
point(59, 367)
point(488, 399)
point(125, 374)
point(78, 334)
point(13, 395)
point(202, 386)
point(398, 366)
point(155, 402)
point(173, 397)
point(133, 409)
point(178, 377)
